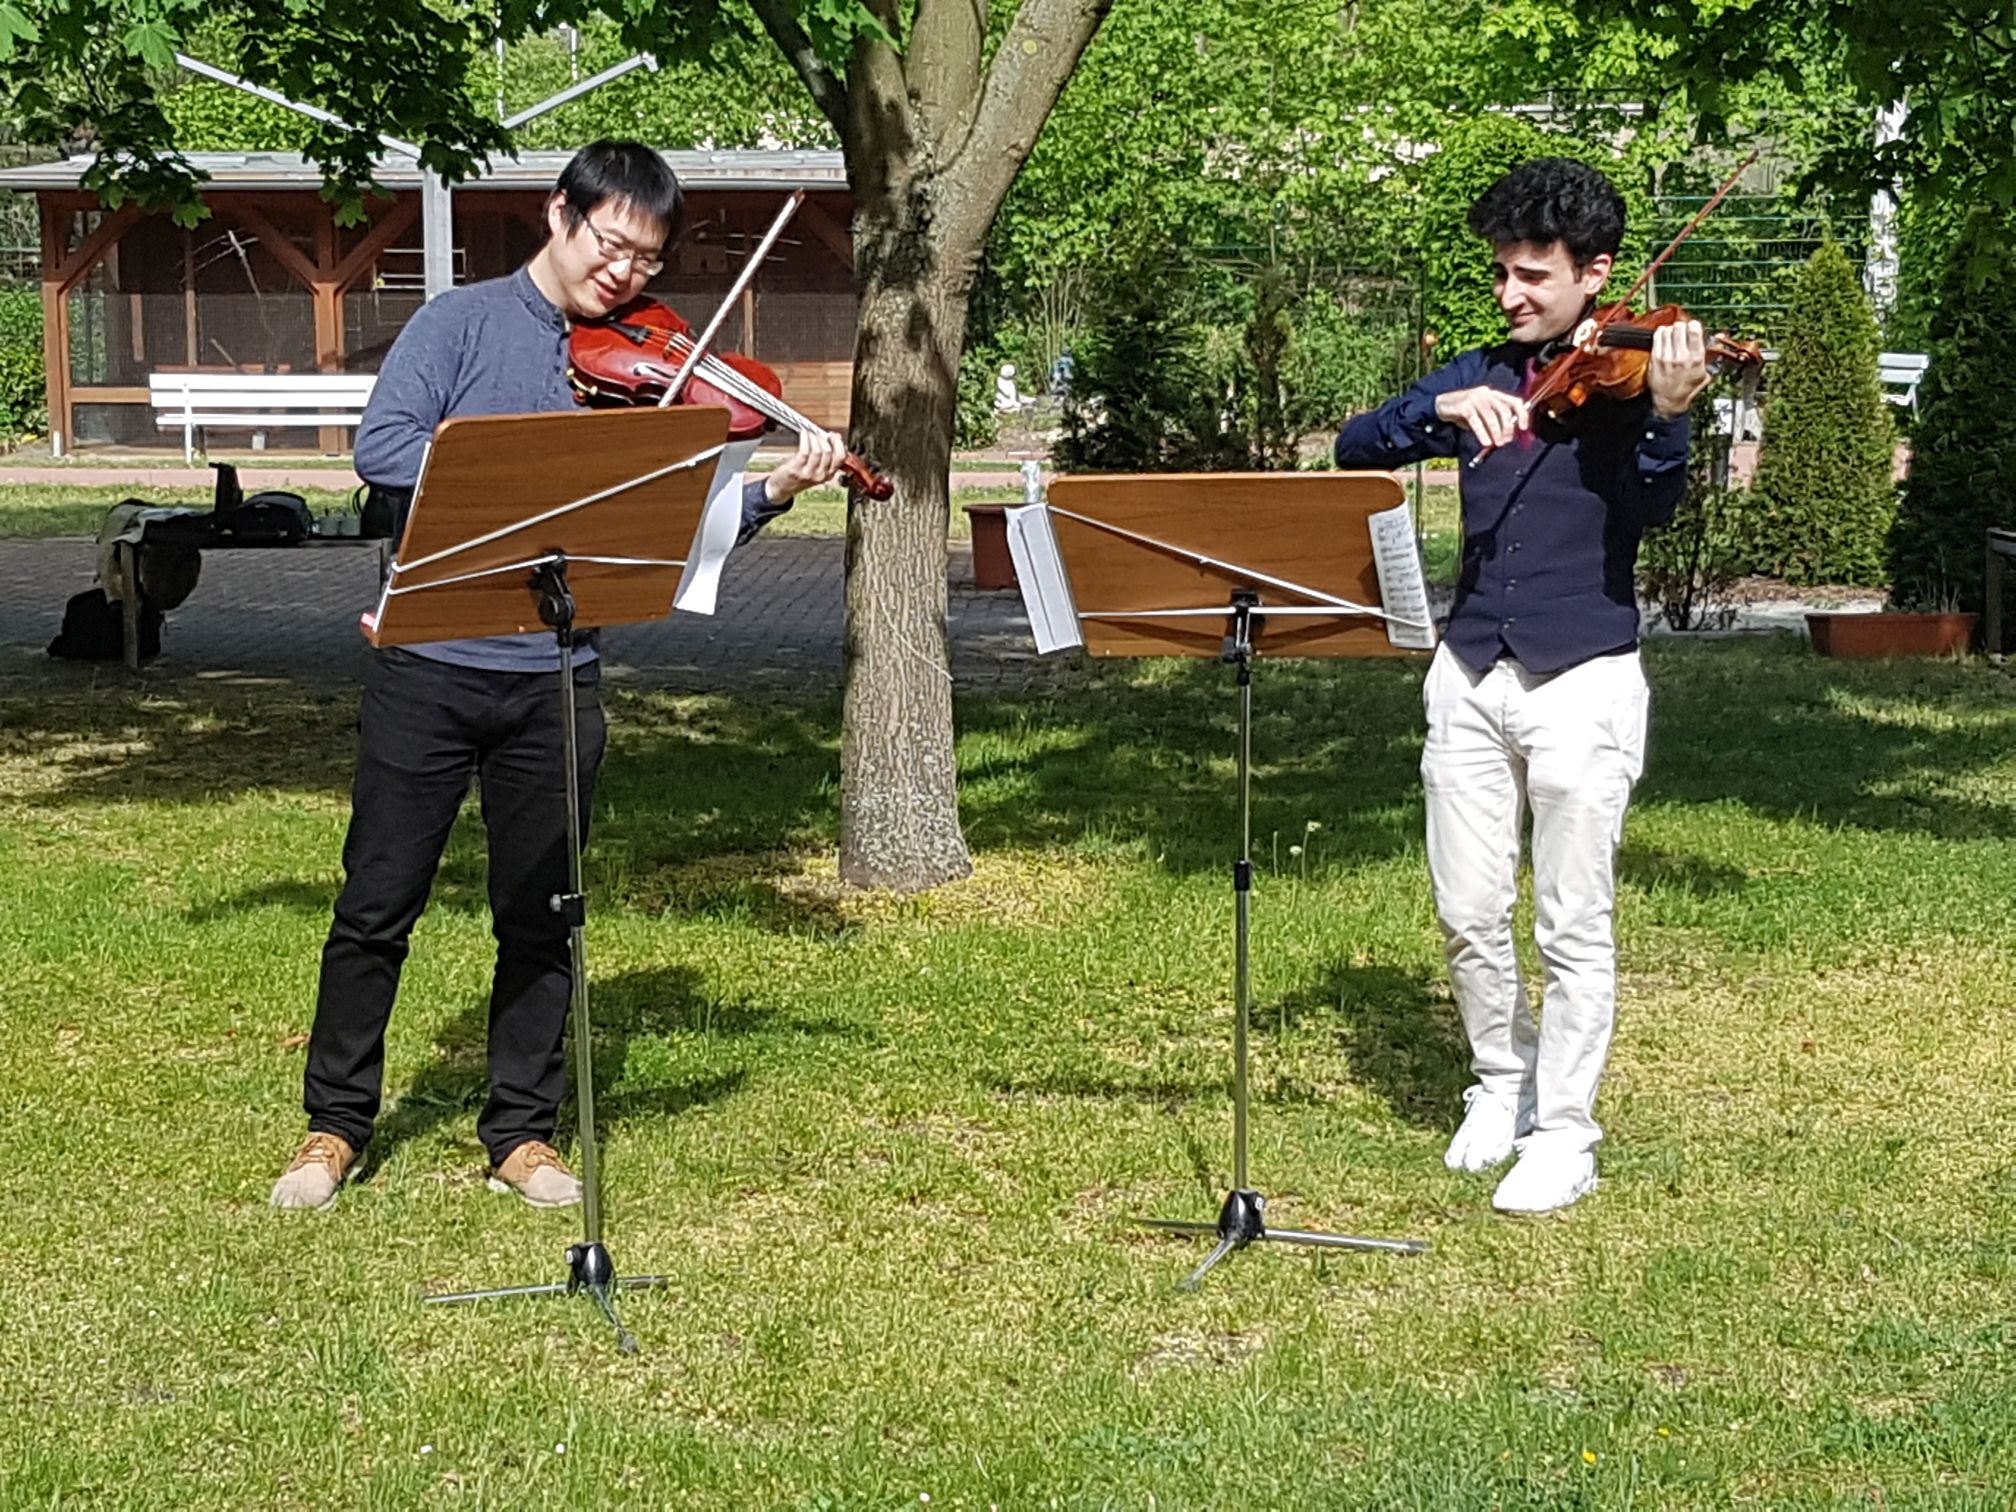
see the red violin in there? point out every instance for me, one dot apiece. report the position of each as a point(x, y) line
point(634, 353)
point(1618, 365)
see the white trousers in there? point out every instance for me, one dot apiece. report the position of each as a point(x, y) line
point(1570, 746)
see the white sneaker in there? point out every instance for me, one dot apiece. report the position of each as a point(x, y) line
point(1485, 1137)
point(1552, 1172)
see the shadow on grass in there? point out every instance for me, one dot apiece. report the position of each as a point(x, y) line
point(1138, 754)
point(626, 1012)
point(1399, 1033)
point(1144, 755)
point(1651, 868)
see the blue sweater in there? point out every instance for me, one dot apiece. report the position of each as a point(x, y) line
point(1551, 523)
point(492, 348)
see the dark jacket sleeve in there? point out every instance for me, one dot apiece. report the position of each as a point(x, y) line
point(1655, 476)
point(1406, 429)
point(758, 510)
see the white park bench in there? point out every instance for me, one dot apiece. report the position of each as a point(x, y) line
point(257, 402)
point(1901, 373)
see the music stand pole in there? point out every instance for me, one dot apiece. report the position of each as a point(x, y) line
point(1242, 1217)
point(589, 1268)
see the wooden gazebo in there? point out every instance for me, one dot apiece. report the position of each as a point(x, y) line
point(269, 283)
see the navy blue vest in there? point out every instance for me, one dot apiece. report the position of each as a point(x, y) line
point(1551, 523)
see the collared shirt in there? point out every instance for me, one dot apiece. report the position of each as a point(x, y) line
point(1551, 522)
point(493, 348)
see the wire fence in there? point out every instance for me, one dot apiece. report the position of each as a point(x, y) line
point(1735, 273)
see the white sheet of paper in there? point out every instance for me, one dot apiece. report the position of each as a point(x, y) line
point(1039, 568)
point(1403, 586)
point(720, 524)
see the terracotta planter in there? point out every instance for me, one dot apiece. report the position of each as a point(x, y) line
point(993, 567)
point(1890, 634)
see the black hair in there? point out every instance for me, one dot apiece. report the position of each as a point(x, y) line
point(627, 172)
point(1550, 200)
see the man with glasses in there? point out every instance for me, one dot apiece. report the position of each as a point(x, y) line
point(433, 716)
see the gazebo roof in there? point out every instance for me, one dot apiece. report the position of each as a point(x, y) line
point(744, 169)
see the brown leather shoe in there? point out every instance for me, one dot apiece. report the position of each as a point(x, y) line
point(535, 1171)
point(318, 1170)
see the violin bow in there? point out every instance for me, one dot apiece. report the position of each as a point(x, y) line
point(1620, 307)
point(742, 281)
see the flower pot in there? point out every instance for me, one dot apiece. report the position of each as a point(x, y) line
point(993, 566)
point(1890, 634)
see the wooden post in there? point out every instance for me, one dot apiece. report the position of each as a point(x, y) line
point(189, 351)
point(328, 311)
point(55, 334)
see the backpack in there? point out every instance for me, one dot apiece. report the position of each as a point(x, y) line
point(94, 629)
point(273, 517)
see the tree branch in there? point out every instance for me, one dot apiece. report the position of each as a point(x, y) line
point(943, 67)
point(881, 134)
point(1035, 59)
point(828, 90)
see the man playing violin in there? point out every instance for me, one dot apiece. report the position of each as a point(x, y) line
point(434, 716)
point(1536, 697)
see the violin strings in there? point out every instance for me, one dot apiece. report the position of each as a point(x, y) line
point(729, 381)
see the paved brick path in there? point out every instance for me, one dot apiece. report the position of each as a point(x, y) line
point(253, 476)
point(292, 614)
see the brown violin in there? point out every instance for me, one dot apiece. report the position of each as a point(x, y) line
point(636, 352)
point(1618, 362)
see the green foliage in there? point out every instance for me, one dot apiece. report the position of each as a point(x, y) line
point(24, 392)
point(1350, 351)
point(105, 75)
point(1823, 498)
point(1142, 398)
point(1688, 565)
point(1963, 455)
point(976, 423)
point(1928, 235)
point(1954, 64)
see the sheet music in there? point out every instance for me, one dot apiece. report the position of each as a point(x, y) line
point(720, 524)
point(1039, 568)
point(1403, 586)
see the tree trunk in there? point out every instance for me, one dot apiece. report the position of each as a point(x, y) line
point(899, 796)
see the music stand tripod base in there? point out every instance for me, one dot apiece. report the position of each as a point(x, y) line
point(589, 1268)
point(1242, 1221)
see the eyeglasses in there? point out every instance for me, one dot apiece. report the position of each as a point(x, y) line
point(615, 254)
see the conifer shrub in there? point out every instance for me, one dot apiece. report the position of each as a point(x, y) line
point(1823, 498)
point(1963, 456)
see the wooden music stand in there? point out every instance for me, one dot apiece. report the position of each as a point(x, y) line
point(1233, 566)
point(521, 522)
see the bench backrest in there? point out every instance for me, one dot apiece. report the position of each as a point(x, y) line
point(1900, 373)
point(259, 391)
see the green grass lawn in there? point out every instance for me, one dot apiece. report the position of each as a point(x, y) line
point(888, 1151)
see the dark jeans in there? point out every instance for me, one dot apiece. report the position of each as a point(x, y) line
point(425, 729)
